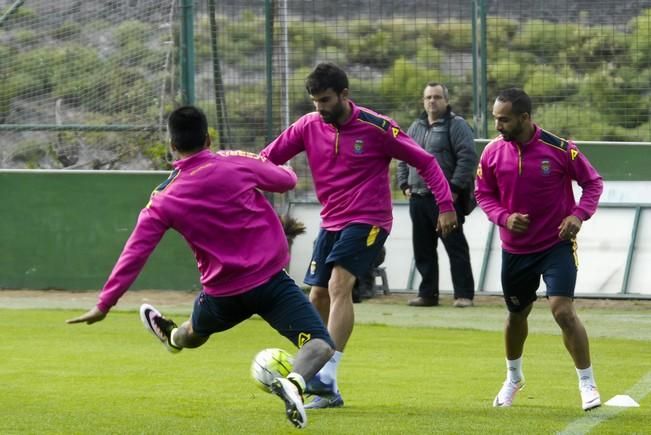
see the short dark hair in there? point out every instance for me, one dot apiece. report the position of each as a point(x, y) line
point(326, 76)
point(520, 101)
point(446, 93)
point(188, 128)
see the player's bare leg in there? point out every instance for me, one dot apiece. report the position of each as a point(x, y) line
point(339, 319)
point(575, 336)
point(576, 342)
point(320, 298)
point(311, 357)
point(342, 313)
point(184, 336)
point(516, 330)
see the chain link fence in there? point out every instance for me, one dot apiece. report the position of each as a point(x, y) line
point(85, 84)
point(88, 84)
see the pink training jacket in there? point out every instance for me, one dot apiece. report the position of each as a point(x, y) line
point(350, 165)
point(535, 179)
point(213, 201)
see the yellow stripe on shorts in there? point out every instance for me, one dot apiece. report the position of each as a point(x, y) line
point(372, 235)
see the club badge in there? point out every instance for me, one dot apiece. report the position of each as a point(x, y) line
point(545, 167)
point(358, 148)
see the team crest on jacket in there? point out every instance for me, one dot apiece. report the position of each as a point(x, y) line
point(545, 167)
point(358, 148)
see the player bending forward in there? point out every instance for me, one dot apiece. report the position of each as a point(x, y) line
point(215, 202)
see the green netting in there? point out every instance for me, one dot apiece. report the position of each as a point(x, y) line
point(587, 66)
point(89, 64)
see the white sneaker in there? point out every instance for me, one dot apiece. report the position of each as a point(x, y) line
point(507, 393)
point(590, 398)
point(288, 391)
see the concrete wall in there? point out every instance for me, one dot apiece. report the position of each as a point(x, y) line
point(65, 229)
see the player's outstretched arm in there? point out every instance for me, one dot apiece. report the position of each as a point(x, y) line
point(272, 178)
point(91, 316)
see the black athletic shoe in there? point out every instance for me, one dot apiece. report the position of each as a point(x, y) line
point(159, 326)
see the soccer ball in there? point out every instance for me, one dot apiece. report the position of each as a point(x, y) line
point(269, 364)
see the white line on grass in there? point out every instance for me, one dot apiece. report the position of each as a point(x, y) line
point(593, 418)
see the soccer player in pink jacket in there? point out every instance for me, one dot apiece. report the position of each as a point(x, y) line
point(214, 201)
point(349, 149)
point(524, 185)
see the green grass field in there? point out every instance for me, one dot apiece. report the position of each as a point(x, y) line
point(405, 371)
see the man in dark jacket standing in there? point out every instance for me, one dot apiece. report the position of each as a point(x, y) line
point(449, 138)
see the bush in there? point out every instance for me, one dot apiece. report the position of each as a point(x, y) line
point(21, 18)
point(403, 83)
point(608, 92)
point(247, 117)
point(641, 133)
point(376, 50)
point(640, 40)
point(597, 45)
point(547, 39)
point(307, 39)
point(76, 72)
point(34, 71)
point(67, 30)
point(131, 31)
point(500, 31)
point(378, 45)
point(577, 122)
point(506, 73)
point(239, 40)
point(427, 55)
point(454, 35)
point(551, 83)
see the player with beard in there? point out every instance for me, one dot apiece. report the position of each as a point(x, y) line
point(524, 185)
point(349, 149)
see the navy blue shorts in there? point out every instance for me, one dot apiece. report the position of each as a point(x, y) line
point(521, 274)
point(279, 301)
point(354, 248)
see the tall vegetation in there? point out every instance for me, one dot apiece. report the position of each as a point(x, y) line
point(588, 82)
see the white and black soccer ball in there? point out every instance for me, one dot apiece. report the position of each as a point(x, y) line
point(269, 364)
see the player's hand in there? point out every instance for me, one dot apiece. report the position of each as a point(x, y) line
point(407, 192)
point(93, 315)
point(447, 223)
point(569, 228)
point(518, 223)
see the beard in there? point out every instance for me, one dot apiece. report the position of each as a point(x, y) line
point(333, 115)
point(509, 136)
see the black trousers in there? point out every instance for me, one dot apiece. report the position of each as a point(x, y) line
point(424, 213)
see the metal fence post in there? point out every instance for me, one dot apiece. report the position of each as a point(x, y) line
point(187, 52)
point(631, 249)
point(268, 48)
point(479, 80)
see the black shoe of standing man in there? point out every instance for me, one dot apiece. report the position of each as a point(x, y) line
point(423, 302)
